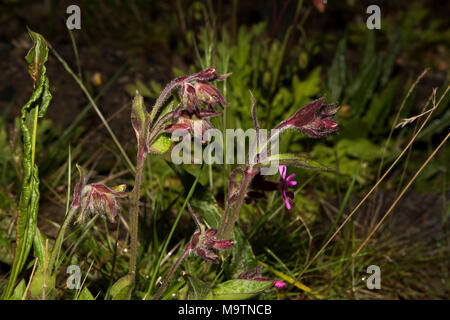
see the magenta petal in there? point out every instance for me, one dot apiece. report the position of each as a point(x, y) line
point(279, 284)
point(291, 183)
point(282, 170)
point(286, 201)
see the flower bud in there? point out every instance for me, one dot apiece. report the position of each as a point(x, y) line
point(202, 244)
point(314, 120)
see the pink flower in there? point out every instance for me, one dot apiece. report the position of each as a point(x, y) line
point(279, 284)
point(287, 183)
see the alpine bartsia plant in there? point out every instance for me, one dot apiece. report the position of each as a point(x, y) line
point(96, 199)
point(199, 101)
point(314, 120)
point(203, 243)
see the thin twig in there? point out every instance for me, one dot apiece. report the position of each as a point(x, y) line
point(94, 105)
point(369, 193)
point(31, 279)
point(377, 226)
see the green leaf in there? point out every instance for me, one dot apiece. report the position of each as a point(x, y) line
point(85, 294)
point(240, 289)
point(37, 284)
point(388, 66)
point(242, 254)
point(337, 72)
point(19, 291)
point(142, 88)
point(197, 289)
point(436, 126)
point(119, 289)
point(361, 149)
point(364, 85)
point(39, 247)
point(29, 198)
point(161, 145)
point(297, 160)
point(140, 121)
point(380, 108)
point(36, 58)
point(306, 89)
point(5, 247)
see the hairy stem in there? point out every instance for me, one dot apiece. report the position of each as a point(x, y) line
point(134, 216)
point(161, 99)
point(223, 223)
point(60, 238)
point(171, 273)
point(247, 178)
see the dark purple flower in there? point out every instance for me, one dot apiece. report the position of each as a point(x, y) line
point(191, 123)
point(287, 183)
point(314, 120)
point(202, 243)
point(259, 185)
point(194, 91)
point(188, 98)
point(97, 198)
point(197, 101)
point(209, 95)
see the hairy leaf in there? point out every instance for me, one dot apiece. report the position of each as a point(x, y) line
point(240, 289)
point(120, 289)
point(197, 289)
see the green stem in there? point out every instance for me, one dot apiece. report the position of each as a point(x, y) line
point(237, 207)
point(134, 217)
point(171, 273)
point(161, 99)
point(166, 244)
point(223, 223)
point(60, 238)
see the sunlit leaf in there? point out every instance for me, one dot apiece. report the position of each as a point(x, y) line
point(161, 145)
point(197, 289)
point(120, 288)
point(240, 289)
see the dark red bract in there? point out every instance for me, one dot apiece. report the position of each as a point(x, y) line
point(314, 120)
